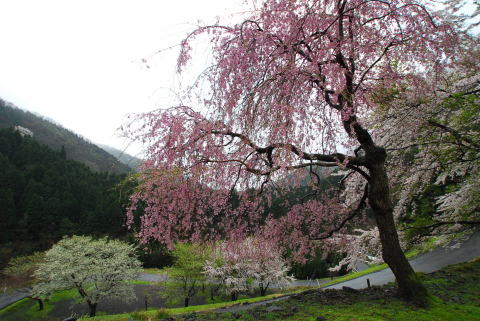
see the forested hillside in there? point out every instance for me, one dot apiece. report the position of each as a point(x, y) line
point(127, 159)
point(45, 196)
point(57, 137)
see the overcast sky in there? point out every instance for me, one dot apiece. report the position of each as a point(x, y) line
point(78, 62)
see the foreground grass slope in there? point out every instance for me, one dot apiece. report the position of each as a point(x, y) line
point(455, 295)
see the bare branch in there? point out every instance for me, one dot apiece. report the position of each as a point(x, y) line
point(323, 159)
point(460, 138)
point(361, 205)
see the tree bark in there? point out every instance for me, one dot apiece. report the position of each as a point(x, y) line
point(263, 289)
point(93, 308)
point(40, 304)
point(187, 301)
point(409, 286)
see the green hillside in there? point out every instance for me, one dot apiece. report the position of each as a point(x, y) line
point(56, 137)
point(127, 159)
point(44, 196)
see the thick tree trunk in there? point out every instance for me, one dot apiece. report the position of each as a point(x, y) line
point(409, 286)
point(186, 302)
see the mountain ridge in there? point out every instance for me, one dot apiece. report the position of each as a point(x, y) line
point(57, 137)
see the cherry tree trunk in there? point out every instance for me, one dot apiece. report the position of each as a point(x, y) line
point(40, 304)
point(409, 286)
point(93, 308)
point(263, 291)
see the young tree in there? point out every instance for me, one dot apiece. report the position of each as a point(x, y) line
point(237, 264)
point(289, 86)
point(187, 268)
point(96, 268)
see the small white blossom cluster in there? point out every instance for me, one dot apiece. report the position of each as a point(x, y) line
point(435, 141)
point(239, 265)
point(96, 268)
point(361, 246)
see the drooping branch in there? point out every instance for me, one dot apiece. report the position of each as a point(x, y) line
point(436, 225)
point(270, 171)
point(460, 138)
point(361, 205)
point(323, 158)
point(365, 73)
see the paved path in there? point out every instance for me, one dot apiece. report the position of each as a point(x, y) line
point(11, 297)
point(427, 262)
point(152, 277)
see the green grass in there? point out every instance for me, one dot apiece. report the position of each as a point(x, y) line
point(366, 311)
point(178, 311)
point(455, 295)
point(154, 271)
point(371, 269)
point(28, 308)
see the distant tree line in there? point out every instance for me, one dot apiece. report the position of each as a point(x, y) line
point(44, 196)
point(55, 136)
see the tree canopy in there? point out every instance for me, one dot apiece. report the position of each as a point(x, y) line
point(45, 196)
point(95, 268)
point(288, 90)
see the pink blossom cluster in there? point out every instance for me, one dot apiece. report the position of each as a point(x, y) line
point(289, 87)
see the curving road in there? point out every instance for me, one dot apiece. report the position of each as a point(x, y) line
point(453, 253)
point(11, 297)
point(428, 262)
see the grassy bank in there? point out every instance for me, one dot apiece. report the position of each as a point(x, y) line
point(454, 295)
point(28, 308)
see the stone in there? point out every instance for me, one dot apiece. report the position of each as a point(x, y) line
point(273, 308)
point(349, 289)
point(191, 317)
point(320, 318)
